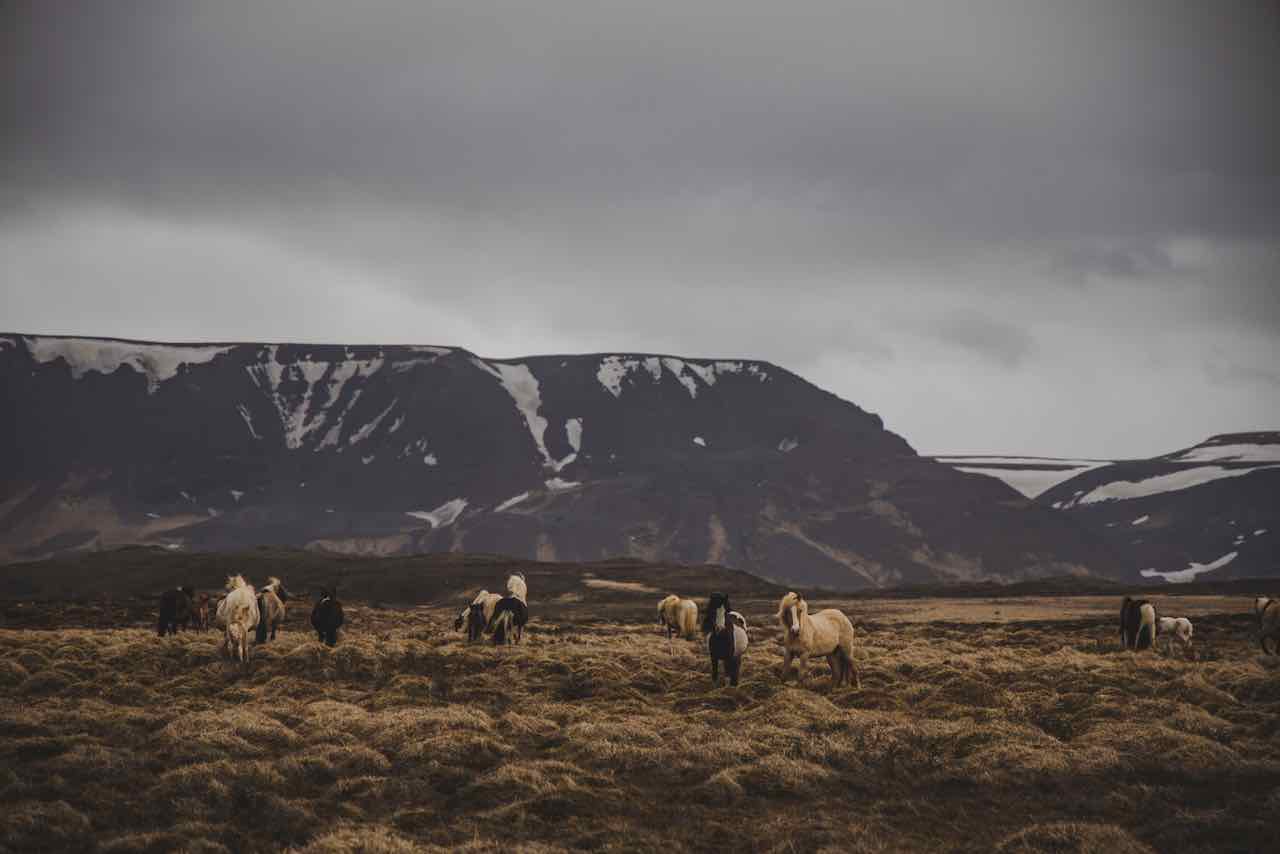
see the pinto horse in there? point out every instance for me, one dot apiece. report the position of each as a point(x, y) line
point(726, 632)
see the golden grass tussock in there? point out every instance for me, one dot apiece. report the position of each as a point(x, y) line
point(1072, 838)
point(593, 735)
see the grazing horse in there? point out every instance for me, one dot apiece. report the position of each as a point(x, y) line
point(1268, 611)
point(271, 599)
point(474, 618)
point(326, 618)
point(176, 607)
point(202, 611)
point(828, 632)
point(508, 620)
point(679, 617)
point(1176, 628)
point(1137, 623)
point(238, 612)
point(511, 613)
point(726, 632)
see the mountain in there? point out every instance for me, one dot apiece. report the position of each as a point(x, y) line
point(381, 450)
point(1207, 513)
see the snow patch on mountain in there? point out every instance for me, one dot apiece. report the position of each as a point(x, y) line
point(1233, 453)
point(511, 502)
point(1182, 576)
point(523, 387)
point(614, 369)
point(557, 484)
point(156, 362)
point(1140, 520)
point(367, 430)
point(573, 433)
point(701, 442)
point(277, 380)
point(248, 420)
point(788, 445)
point(445, 514)
point(1120, 490)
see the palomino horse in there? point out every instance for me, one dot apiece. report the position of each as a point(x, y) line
point(238, 612)
point(828, 632)
point(679, 617)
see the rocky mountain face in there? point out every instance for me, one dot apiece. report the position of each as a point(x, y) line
point(1206, 513)
point(400, 449)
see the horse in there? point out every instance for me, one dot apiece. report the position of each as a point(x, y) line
point(271, 599)
point(474, 618)
point(518, 587)
point(1137, 623)
point(511, 613)
point(726, 633)
point(1176, 628)
point(238, 612)
point(202, 611)
point(508, 620)
point(828, 632)
point(175, 609)
point(1268, 611)
point(327, 617)
point(678, 617)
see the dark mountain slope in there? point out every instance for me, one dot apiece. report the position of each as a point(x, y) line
point(397, 450)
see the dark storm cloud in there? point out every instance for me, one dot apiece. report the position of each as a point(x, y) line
point(864, 192)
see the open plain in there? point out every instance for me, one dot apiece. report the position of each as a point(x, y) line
point(1011, 724)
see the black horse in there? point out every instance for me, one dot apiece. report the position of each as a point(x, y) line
point(726, 637)
point(326, 618)
point(508, 620)
point(176, 608)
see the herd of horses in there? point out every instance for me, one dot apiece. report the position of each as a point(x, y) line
point(244, 611)
point(827, 633)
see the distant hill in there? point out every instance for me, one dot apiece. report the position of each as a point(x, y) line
point(1208, 512)
point(401, 450)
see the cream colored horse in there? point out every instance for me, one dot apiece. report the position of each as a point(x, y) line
point(828, 633)
point(238, 613)
point(679, 617)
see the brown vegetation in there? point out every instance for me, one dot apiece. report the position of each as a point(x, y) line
point(1030, 735)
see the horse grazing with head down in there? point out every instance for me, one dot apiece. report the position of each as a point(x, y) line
point(726, 632)
point(1137, 623)
point(474, 618)
point(176, 607)
point(238, 612)
point(511, 613)
point(1176, 629)
point(327, 618)
point(828, 632)
point(271, 599)
point(678, 617)
point(1268, 611)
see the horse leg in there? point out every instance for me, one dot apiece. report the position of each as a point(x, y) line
point(734, 666)
point(786, 663)
point(715, 670)
point(803, 678)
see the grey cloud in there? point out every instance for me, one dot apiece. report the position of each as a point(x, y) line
point(831, 185)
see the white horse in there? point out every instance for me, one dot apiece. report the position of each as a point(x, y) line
point(238, 613)
point(827, 632)
point(1176, 628)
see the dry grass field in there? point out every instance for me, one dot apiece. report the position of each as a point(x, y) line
point(1010, 725)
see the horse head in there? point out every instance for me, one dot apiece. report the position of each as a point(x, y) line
point(791, 613)
point(717, 610)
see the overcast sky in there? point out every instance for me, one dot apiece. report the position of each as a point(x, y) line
point(1005, 227)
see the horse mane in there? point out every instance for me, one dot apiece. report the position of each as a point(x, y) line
point(792, 598)
point(235, 582)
